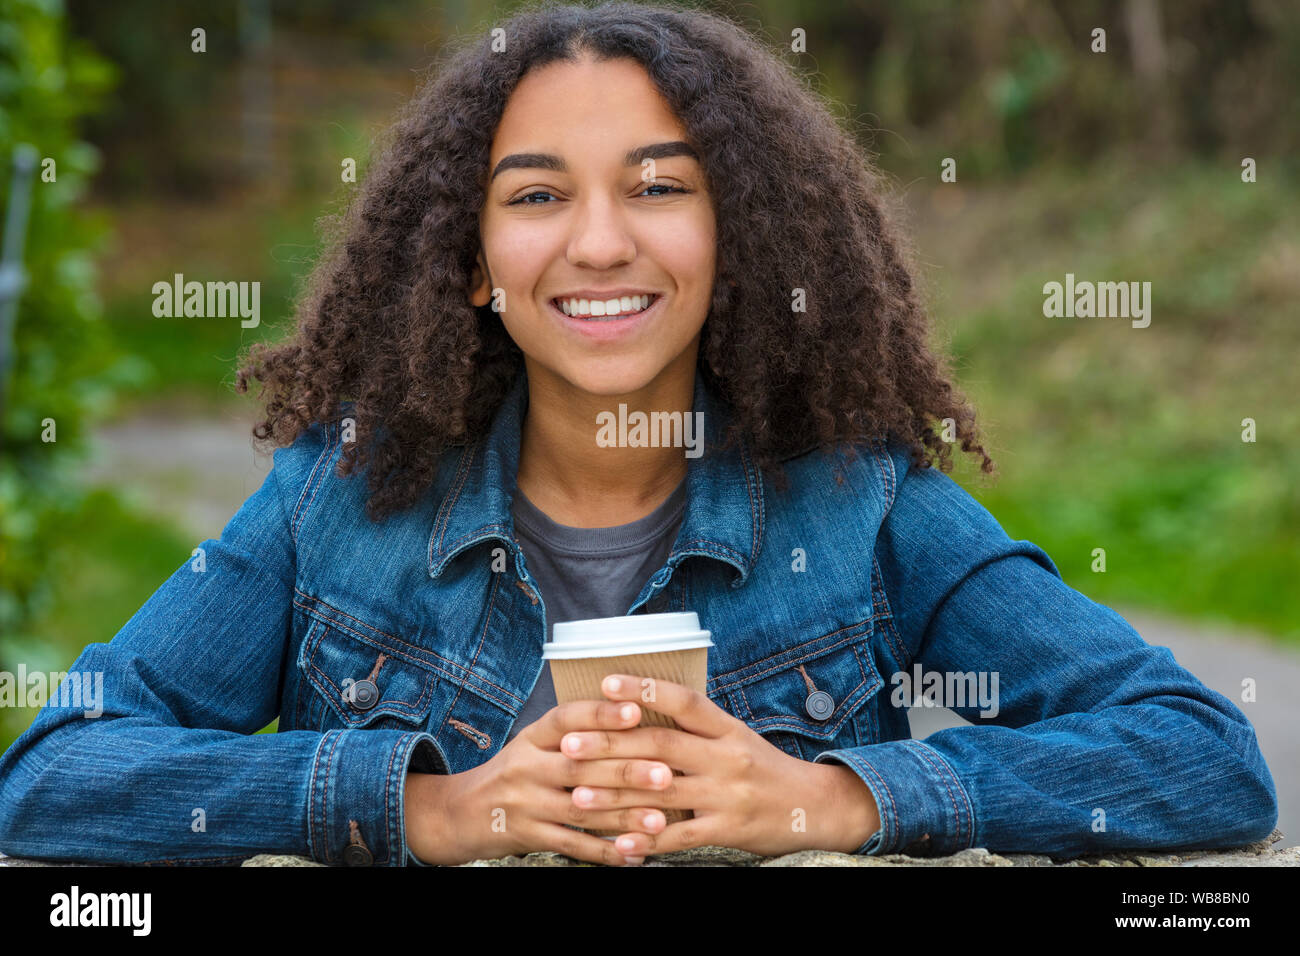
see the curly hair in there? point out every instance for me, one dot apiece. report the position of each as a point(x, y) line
point(384, 320)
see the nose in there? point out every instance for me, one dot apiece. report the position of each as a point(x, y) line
point(601, 238)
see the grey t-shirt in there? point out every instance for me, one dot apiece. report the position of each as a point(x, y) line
point(589, 572)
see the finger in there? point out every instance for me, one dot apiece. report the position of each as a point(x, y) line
point(689, 709)
point(677, 748)
point(558, 808)
point(579, 845)
point(686, 793)
point(546, 732)
point(682, 835)
point(561, 770)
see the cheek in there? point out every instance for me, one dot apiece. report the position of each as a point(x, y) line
point(688, 253)
point(519, 253)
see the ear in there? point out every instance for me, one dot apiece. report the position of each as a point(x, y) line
point(480, 280)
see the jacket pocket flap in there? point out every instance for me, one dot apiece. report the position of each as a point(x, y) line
point(364, 680)
point(812, 689)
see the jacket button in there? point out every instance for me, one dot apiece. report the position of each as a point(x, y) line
point(355, 854)
point(819, 705)
point(364, 694)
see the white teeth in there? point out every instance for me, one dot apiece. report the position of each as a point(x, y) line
point(595, 308)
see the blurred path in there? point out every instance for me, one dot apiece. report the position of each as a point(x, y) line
point(197, 471)
point(193, 469)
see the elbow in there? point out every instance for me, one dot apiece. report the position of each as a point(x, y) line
point(14, 800)
point(39, 807)
point(1244, 793)
point(1255, 799)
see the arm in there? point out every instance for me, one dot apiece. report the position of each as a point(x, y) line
point(1100, 741)
point(173, 769)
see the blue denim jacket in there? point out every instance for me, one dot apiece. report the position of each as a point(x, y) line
point(383, 647)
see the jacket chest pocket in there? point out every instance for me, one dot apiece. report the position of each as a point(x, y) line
point(819, 695)
point(351, 680)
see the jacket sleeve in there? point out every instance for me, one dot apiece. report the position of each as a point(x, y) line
point(167, 766)
point(1097, 740)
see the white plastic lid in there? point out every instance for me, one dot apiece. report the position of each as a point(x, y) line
point(628, 634)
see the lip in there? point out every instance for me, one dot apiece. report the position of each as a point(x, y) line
point(611, 330)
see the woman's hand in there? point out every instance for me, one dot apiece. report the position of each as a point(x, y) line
point(517, 802)
point(745, 793)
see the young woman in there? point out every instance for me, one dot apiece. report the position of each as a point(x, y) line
point(609, 212)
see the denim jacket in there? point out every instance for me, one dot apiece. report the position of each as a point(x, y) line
point(410, 644)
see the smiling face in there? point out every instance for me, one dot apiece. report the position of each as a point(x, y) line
point(572, 210)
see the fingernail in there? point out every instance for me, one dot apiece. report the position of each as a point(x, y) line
point(572, 744)
point(634, 860)
point(627, 711)
point(613, 685)
point(583, 795)
point(658, 776)
point(625, 843)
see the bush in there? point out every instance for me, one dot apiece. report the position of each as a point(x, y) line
point(58, 370)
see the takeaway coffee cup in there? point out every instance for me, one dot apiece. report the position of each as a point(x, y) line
point(668, 647)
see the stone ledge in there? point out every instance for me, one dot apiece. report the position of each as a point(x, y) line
point(1261, 853)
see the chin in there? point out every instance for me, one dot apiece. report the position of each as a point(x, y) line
point(613, 378)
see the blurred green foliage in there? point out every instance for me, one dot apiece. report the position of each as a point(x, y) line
point(58, 375)
point(1003, 85)
point(1127, 439)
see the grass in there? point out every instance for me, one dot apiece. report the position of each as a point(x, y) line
point(1127, 439)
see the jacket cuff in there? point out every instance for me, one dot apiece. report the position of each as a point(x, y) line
point(924, 809)
point(355, 804)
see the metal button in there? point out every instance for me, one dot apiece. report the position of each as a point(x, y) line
point(364, 694)
point(354, 854)
point(819, 705)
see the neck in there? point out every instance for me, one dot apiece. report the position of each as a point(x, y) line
point(575, 481)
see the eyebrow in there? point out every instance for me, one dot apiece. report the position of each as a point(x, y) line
point(556, 164)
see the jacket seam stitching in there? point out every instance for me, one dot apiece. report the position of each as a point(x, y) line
point(718, 682)
point(324, 803)
point(312, 794)
point(892, 636)
point(399, 707)
point(496, 588)
point(443, 520)
point(890, 478)
point(388, 803)
point(300, 509)
point(755, 508)
point(398, 645)
point(936, 761)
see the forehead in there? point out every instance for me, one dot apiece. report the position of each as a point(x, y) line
point(612, 102)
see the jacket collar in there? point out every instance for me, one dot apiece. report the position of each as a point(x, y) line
point(724, 491)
